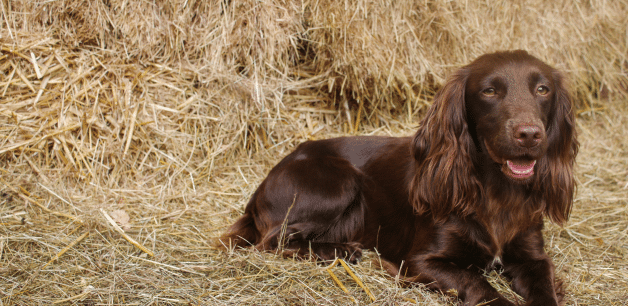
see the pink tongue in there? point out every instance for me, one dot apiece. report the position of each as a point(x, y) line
point(521, 169)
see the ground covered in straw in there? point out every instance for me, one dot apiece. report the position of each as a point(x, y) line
point(132, 133)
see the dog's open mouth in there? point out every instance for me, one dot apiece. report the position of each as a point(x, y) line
point(519, 169)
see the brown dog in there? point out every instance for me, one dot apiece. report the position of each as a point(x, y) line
point(494, 154)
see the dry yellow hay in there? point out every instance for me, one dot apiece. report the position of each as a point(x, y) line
point(174, 110)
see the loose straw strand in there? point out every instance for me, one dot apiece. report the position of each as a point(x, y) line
point(127, 237)
point(69, 246)
point(355, 278)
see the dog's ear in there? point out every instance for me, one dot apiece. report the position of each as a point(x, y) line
point(444, 180)
point(555, 177)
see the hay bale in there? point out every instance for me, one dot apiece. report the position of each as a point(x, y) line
point(387, 52)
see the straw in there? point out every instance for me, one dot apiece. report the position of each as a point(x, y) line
point(175, 111)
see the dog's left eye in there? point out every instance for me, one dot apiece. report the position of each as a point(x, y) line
point(542, 90)
point(489, 92)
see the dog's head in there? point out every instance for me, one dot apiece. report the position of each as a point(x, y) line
point(506, 111)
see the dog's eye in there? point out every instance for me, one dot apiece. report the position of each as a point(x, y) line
point(542, 90)
point(489, 92)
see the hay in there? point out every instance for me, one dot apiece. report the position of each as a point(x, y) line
point(173, 111)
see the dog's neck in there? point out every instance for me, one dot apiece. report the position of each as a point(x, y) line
point(507, 210)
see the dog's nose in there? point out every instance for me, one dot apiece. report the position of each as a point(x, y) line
point(528, 135)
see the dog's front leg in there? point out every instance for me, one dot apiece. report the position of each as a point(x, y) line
point(532, 271)
point(467, 283)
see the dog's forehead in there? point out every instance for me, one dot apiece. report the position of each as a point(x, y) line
point(505, 74)
point(518, 72)
point(510, 67)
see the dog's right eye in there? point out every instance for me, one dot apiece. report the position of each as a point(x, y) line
point(489, 92)
point(542, 90)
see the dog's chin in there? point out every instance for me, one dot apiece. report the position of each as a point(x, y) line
point(519, 169)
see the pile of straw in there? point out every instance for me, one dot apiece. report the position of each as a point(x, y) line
point(133, 132)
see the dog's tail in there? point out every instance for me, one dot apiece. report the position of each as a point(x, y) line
point(242, 233)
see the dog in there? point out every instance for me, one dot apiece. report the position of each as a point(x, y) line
point(468, 192)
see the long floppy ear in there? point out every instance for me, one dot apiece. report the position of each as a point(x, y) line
point(556, 170)
point(444, 179)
